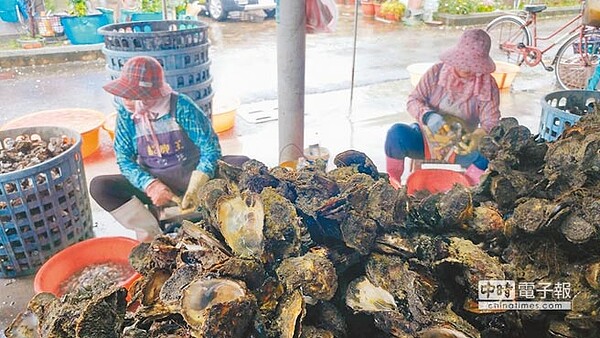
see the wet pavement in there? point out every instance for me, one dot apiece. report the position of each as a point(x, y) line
point(243, 65)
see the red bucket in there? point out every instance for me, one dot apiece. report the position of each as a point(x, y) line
point(76, 257)
point(434, 180)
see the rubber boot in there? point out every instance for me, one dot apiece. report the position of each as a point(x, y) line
point(473, 174)
point(135, 216)
point(395, 169)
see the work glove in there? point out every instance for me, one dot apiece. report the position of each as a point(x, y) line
point(190, 199)
point(470, 142)
point(159, 193)
point(433, 121)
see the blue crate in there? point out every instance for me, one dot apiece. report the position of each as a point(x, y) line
point(43, 208)
point(170, 59)
point(562, 109)
point(154, 35)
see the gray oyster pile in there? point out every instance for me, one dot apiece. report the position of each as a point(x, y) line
point(309, 253)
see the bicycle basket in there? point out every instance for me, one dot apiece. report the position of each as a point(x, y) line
point(591, 13)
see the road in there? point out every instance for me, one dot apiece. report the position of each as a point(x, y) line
point(243, 56)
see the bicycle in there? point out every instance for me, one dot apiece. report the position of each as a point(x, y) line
point(515, 40)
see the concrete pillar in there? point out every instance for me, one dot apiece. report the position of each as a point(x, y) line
point(291, 55)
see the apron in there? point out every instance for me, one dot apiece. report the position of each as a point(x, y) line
point(179, 156)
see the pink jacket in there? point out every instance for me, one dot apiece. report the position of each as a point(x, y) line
point(428, 95)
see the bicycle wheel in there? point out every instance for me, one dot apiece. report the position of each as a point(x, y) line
point(573, 66)
point(506, 33)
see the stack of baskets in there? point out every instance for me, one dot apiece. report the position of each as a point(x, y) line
point(43, 208)
point(562, 109)
point(181, 47)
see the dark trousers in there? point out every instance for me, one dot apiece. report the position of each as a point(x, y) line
point(112, 191)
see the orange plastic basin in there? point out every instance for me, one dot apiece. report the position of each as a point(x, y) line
point(110, 125)
point(85, 121)
point(434, 180)
point(223, 112)
point(80, 255)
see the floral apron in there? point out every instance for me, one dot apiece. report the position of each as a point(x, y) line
point(178, 156)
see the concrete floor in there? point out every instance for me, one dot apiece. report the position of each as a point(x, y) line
point(377, 104)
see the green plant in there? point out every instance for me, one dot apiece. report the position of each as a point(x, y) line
point(151, 6)
point(466, 6)
point(78, 7)
point(394, 7)
point(50, 6)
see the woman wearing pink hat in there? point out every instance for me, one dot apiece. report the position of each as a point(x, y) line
point(165, 147)
point(456, 96)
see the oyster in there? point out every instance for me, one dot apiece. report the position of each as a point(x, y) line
point(363, 296)
point(290, 313)
point(282, 229)
point(356, 158)
point(241, 220)
point(359, 232)
point(217, 308)
point(381, 203)
point(456, 206)
point(312, 273)
point(487, 221)
point(476, 265)
point(531, 215)
point(577, 230)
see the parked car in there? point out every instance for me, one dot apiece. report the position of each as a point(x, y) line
point(220, 9)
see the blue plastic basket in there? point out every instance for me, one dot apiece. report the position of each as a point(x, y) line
point(562, 109)
point(84, 30)
point(154, 35)
point(174, 59)
point(43, 208)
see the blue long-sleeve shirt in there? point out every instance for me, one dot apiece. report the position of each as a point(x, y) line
point(191, 119)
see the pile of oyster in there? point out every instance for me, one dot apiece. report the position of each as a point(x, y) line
point(310, 253)
point(27, 150)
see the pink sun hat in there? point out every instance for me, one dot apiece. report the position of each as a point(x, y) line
point(471, 53)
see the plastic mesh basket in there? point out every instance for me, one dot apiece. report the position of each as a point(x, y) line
point(563, 109)
point(169, 59)
point(154, 35)
point(43, 208)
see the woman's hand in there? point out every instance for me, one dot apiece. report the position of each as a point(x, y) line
point(190, 199)
point(433, 121)
point(159, 193)
point(470, 142)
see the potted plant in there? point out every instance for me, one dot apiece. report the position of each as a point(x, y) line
point(147, 10)
point(392, 10)
point(377, 7)
point(31, 39)
point(367, 8)
point(81, 27)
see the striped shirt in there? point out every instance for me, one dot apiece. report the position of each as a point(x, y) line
point(429, 95)
point(190, 118)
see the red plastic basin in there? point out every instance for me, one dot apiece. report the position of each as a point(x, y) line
point(77, 256)
point(434, 180)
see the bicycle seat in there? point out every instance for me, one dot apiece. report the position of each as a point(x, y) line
point(535, 8)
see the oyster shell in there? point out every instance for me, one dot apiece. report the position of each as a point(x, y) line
point(356, 158)
point(241, 221)
point(312, 273)
point(359, 232)
point(290, 314)
point(282, 228)
point(217, 308)
point(363, 296)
